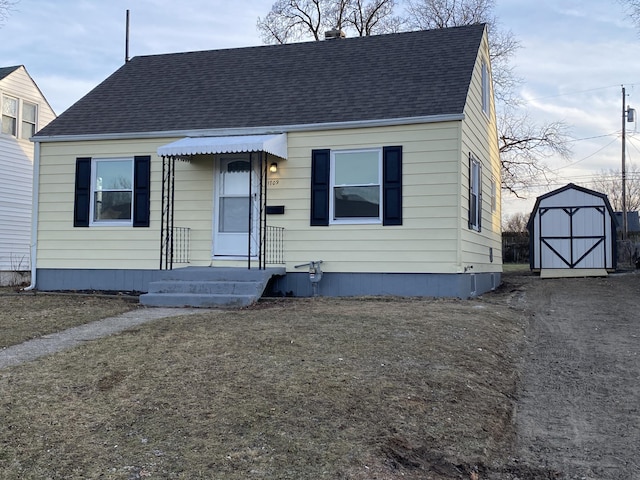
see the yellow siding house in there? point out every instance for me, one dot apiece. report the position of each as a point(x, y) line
point(357, 166)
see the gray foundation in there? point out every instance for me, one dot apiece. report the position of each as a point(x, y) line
point(295, 284)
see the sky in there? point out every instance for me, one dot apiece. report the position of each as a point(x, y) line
point(574, 58)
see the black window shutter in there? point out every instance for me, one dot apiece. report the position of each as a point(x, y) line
point(320, 166)
point(141, 188)
point(82, 196)
point(392, 185)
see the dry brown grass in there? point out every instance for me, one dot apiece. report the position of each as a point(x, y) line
point(27, 315)
point(290, 389)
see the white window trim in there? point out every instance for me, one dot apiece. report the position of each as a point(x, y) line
point(16, 134)
point(476, 186)
point(486, 91)
point(354, 220)
point(109, 223)
point(23, 121)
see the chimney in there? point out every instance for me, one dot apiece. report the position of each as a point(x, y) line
point(334, 33)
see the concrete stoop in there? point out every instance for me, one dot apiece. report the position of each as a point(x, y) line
point(209, 287)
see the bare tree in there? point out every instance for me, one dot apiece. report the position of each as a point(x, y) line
point(515, 223)
point(523, 145)
point(610, 182)
point(374, 17)
point(5, 8)
point(294, 20)
point(633, 10)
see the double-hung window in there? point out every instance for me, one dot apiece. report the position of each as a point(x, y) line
point(475, 193)
point(112, 191)
point(10, 116)
point(28, 124)
point(356, 186)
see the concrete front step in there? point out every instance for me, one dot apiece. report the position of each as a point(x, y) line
point(208, 287)
point(196, 300)
point(204, 287)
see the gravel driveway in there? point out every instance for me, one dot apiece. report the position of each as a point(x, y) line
point(578, 411)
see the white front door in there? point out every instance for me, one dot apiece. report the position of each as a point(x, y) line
point(236, 188)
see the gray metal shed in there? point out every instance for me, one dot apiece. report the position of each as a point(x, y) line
point(572, 231)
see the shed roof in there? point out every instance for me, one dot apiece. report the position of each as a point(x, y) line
point(569, 186)
point(394, 76)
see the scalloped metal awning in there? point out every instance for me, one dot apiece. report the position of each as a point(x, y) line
point(185, 147)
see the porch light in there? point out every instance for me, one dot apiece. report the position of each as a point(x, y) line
point(273, 168)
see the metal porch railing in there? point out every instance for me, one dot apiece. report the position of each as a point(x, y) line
point(177, 247)
point(274, 245)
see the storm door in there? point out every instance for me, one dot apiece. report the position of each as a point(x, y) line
point(235, 221)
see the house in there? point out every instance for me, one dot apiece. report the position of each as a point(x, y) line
point(377, 156)
point(572, 232)
point(24, 111)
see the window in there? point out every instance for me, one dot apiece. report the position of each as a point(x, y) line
point(9, 116)
point(356, 186)
point(475, 193)
point(28, 126)
point(485, 89)
point(112, 191)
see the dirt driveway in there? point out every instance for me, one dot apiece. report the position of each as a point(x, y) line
point(578, 410)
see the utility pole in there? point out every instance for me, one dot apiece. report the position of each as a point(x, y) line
point(624, 172)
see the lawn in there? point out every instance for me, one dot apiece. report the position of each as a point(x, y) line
point(26, 315)
point(289, 389)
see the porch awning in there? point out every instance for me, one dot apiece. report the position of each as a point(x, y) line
point(273, 144)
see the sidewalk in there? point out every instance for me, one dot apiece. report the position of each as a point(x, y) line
point(66, 339)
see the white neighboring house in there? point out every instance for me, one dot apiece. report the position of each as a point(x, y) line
point(24, 111)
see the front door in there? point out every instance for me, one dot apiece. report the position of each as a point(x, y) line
point(235, 211)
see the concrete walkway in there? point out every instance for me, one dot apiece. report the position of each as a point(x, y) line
point(66, 339)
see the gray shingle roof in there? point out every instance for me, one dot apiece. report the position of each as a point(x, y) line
point(4, 71)
point(364, 78)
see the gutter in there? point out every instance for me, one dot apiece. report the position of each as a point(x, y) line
point(34, 214)
point(265, 130)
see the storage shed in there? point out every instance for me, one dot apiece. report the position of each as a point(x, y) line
point(572, 232)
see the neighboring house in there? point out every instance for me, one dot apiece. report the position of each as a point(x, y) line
point(572, 232)
point(24, 111)
point(376, 155)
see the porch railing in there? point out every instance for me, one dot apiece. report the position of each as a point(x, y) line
point(181, 245)
point(176, 247)
point(274, 245)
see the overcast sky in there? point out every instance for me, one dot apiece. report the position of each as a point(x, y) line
point(575, 57)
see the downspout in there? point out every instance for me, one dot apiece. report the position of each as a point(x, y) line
point(34, 214)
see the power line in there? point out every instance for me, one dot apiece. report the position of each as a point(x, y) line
point(587, 157)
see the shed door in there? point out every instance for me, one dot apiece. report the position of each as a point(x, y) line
point(573, 237)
